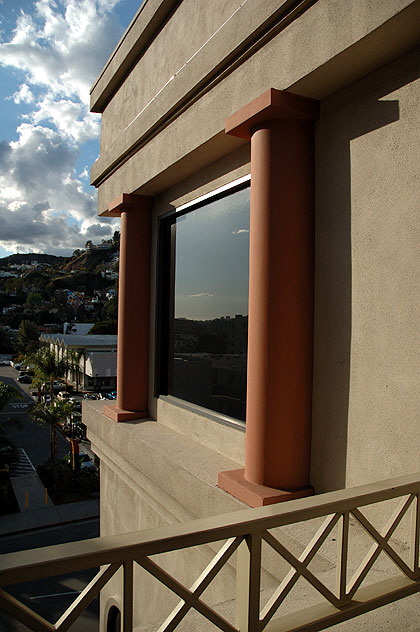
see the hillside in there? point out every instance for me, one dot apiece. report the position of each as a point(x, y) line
point(29, 258)
point(48, 289)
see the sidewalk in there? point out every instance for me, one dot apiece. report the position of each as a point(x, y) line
point(37, 509)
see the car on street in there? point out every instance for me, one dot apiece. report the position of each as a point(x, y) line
point(64, 395)
point(111, 395)
point(58, 386)
point(24, 379)
point(86, 462)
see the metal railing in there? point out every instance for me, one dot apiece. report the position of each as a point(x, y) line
point(243, 532)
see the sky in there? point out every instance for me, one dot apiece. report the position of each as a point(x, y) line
point(51, 52)
point(212, 255)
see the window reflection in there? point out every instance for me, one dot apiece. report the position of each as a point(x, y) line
point(208, 314)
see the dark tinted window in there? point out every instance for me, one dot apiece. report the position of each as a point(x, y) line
point(204, 304)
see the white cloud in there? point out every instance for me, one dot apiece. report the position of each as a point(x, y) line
point(23, 95)
point(69, 117)
point(58, 50)
point(240, 231)
point(62, 45)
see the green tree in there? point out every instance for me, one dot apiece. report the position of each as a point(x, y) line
point(111, 309)
point(6, 341)
point(27, 337)
point(51, 415)
point(34, 299)
point(7, 393)
point(72, 360)
point(47, 367)
point(104, 327)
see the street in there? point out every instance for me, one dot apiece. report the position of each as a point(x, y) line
point(50, 597)
point(35, 440)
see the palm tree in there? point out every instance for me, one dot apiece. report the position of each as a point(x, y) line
point(72, 360)
point(50, 415)
point(47, 367)
point(7, 392)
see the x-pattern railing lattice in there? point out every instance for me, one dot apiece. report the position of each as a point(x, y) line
point(243, 533)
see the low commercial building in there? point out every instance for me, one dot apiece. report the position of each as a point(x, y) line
point(263, 158)
point(92, 358)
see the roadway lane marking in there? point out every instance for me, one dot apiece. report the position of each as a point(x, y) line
point(23, 465)
point(72, 592)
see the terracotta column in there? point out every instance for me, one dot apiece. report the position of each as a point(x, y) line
point(133, 308)
point(280, 126)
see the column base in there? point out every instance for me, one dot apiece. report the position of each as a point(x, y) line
point(233, 482)
point(118, 414)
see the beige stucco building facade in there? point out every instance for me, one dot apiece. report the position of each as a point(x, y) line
point(176, 96)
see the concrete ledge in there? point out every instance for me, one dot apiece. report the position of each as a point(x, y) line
point(169, 471)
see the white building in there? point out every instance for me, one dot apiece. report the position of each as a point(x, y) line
point(95, 358)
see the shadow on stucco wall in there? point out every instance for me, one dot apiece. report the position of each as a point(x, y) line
point(349, 114)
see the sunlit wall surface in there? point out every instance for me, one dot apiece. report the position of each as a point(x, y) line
point(207, 303)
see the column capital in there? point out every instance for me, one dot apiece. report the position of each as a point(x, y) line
point(269, 106)
point(127, 201)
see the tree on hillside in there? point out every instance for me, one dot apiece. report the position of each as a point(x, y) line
point(6, 341)
point(27, 337)
point(111, 309)
point(34, 299)
point(104, 327)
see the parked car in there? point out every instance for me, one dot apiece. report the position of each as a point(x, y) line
point(64, 395)
point(77, 406)
point(26, 371)
point(91, 396)
point(111, 395)
point(24, 379)
point(5, 363)
point(86, 462)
